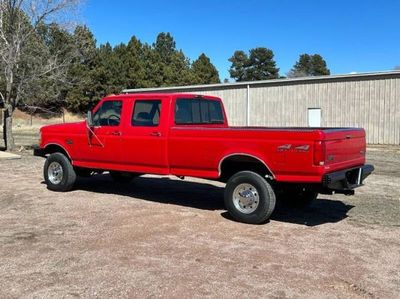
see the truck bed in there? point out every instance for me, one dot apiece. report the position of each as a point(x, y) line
point(290, 153)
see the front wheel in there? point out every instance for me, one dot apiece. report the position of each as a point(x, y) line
point(249, 198)
point(58, 172)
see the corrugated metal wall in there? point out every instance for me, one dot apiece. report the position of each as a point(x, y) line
point(368, 101)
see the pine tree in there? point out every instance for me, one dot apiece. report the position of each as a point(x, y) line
point(309, 65)
point(238, 69)
point(204, 71)
point(172, 64)
point(104, 70)
point(318, 66)
point(302, 68)
point(134, 63)
point(165, 46)
point(259, 65)
point(81, 96)
point(153, 67)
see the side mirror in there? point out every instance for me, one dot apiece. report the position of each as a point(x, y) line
point(89, 118)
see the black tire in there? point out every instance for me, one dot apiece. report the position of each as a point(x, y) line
point(263, 193)
point(297, 198)
point(66, 180)
point(122, 177)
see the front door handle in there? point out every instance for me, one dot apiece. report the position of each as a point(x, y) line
point(116, 133)
point(156, 134)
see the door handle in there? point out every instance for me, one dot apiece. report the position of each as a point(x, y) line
point(156, 134)
point(116, 133)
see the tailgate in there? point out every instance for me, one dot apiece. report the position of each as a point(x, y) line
point(344, 147)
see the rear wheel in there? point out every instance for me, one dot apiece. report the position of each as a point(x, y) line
point(249, 197)
point(59, 173)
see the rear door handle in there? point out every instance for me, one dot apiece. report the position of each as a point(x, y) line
point(156, 134)
point(116, 133)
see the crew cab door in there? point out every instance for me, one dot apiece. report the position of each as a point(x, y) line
point(106, 134)
point(144, 146)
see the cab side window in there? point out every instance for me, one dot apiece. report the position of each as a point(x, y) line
point(146, 113)
point(109, 114)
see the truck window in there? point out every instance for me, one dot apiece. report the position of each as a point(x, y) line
point(194, 111)
point(216, 116)
point(109, 114)
point(146, 113)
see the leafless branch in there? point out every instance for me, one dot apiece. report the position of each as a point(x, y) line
point(24, 59)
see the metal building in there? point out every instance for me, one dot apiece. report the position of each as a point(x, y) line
point(368, 100)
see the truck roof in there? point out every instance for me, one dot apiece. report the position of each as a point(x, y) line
point(160, 95)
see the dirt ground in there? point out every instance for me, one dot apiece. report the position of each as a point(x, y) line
point(162, 237)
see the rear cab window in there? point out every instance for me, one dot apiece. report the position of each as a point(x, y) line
point(146, 113)
point(198, 112)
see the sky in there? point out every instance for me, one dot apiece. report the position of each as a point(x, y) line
point(352, 36)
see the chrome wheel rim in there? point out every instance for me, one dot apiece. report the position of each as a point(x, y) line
point(55, 173)
point(246, 198)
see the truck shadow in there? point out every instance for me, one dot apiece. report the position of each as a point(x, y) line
point(209, 197)
point(163, 190)
point(319, 212)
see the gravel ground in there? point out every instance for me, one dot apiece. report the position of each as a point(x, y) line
point(162, 237)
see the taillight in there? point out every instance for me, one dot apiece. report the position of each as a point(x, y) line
point(319, 153)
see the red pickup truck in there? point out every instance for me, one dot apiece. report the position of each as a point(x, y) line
point(188, 135)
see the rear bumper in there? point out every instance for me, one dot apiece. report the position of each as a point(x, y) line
point(345, 181)
point(39, 152)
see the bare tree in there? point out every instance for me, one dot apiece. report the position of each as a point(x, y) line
point(296, 74)
point(20, 69)
point(397, 68)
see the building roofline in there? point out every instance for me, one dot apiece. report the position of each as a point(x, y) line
point(268, 82)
